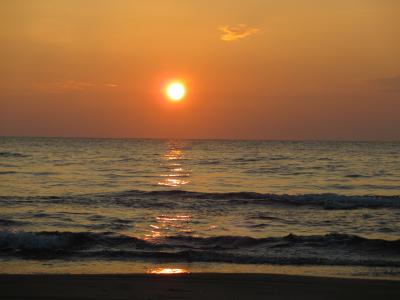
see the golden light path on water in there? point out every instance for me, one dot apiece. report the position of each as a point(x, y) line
point(167, 271)
point(167, 223)
point(176, 175)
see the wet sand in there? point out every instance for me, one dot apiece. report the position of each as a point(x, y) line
point(193, 286)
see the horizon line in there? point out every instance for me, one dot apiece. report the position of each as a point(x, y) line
point(203, 139)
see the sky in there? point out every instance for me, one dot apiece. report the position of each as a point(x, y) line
point(254, 69)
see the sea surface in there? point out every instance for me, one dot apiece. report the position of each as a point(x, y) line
point(70, 205)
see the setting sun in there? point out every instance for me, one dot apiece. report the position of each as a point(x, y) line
point(175, 91)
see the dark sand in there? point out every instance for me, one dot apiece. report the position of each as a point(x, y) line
point(193, 286)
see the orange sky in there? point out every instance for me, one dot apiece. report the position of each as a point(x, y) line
point(288, 69)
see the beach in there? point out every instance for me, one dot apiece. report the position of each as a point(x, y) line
point(193, 286)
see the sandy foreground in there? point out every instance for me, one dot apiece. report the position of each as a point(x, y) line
point(193, 286)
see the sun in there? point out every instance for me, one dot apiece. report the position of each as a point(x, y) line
point(175, 91)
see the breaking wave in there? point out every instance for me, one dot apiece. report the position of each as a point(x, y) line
point(329, 249)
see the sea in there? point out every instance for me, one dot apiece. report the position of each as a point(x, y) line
point(86, 205)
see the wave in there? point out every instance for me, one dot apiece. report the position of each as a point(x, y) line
point(7, 172)
point(136, 198)
point(11, 154)
point(10, 223)
point(327, 201)
point(329, 249)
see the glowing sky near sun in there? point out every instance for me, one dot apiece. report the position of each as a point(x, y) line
point(291, 69)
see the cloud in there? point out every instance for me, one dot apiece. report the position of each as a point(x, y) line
point(64, 86)
point(235, 32)
point(110, 85)
point(387, 83)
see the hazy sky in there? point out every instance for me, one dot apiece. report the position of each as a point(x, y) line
point(283, 69)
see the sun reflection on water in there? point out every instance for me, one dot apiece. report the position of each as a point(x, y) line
point(173, 182)
point(167, 271)
point(176, 175)
point(164, 218)
point(169, 224)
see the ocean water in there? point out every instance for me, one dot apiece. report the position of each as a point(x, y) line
point(131, 205)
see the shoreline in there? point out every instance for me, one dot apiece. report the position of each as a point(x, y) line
point(110, 268)
point(193, 286)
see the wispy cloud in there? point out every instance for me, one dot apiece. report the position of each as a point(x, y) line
point(110, 85)
point(235, 32)
point(387, 83)
point(62, 86)
point(65, 86)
